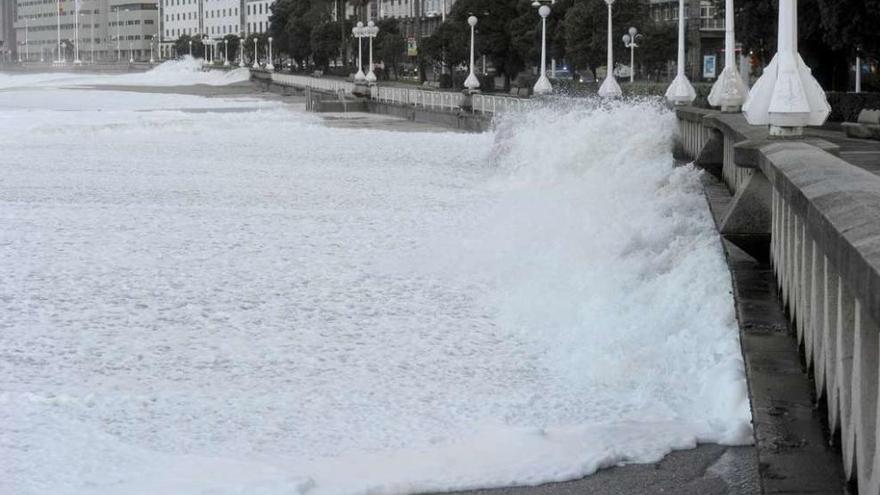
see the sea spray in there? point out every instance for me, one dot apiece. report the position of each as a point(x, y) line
point(351, 311)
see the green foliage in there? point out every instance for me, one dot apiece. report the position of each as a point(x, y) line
point(181, 46)
point(586, 29)
point(390, 45)
point(325, 42)
point(231, 48)
point(291, 24)
point(845, 107)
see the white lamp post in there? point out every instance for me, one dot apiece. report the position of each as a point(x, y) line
point(241, 52)
point(19, 51)
point(190, 48)
point(63, 49)
point(371, 31)
point(472, 83)
point(787, 97)
point(152, 60)
point(58, 18)
point(631, 40)
point(118, 49)
point(270, 65)
point(358, 32)
point(130, 53)
point(609, 87)
point(225, 52)
point(92, 39)
point(76, 59)
point(858, 71)
point(681, 91)
point(256, 64)
point(27, 48)
point(729, 92)
point(543, 86)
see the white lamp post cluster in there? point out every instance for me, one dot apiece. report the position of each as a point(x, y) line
point(631, 40)
point(609, 87)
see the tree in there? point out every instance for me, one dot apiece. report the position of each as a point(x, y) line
point(494, 26)
point(232, 46)
point(291, 24)
point(659, 45)
point(181, 46)
point(390, 45)
point(586, 30)
point(325, 40)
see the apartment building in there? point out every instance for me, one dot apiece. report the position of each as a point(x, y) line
point(212, 18)
point(705, 36)
point(108, 30)
point(8, 41)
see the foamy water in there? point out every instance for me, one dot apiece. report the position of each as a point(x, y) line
point(186, 71)
point(248, 302)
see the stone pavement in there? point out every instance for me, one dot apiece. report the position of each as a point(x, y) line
point(864, 153)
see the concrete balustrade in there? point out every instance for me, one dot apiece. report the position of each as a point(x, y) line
point(824, 245)
point(429, 100)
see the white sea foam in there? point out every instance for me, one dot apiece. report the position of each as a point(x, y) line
point(253, 303)
point(184, 72)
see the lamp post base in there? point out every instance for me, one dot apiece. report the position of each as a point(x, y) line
point(729, 91)
point(543, 86)
point(681, 92)
point(787, 96)
point(610, 88)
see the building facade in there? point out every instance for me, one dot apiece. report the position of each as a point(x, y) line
point(8, 40)
point(108, 30)
point(215, 19)
point(705, 37)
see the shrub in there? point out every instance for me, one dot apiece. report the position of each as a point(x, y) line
point(845, 107)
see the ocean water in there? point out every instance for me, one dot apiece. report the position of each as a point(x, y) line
point(225, 296)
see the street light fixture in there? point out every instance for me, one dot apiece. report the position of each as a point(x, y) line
point(190, 48)
point(358, 32)
point(269, 64)
point(371, 30)
point(76, 59)
point(631, 40)
point(256, 63)
point(730, 91)
point(472, 83)
point(543, 86)
point(241, 51)
point(225, 52)
point(130, 53)
point(681, 91)
point(787, 97)
point(152, 60)
point(610, 88)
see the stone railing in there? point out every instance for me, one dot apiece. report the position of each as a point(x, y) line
point(302, 82)
point(822, 216)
